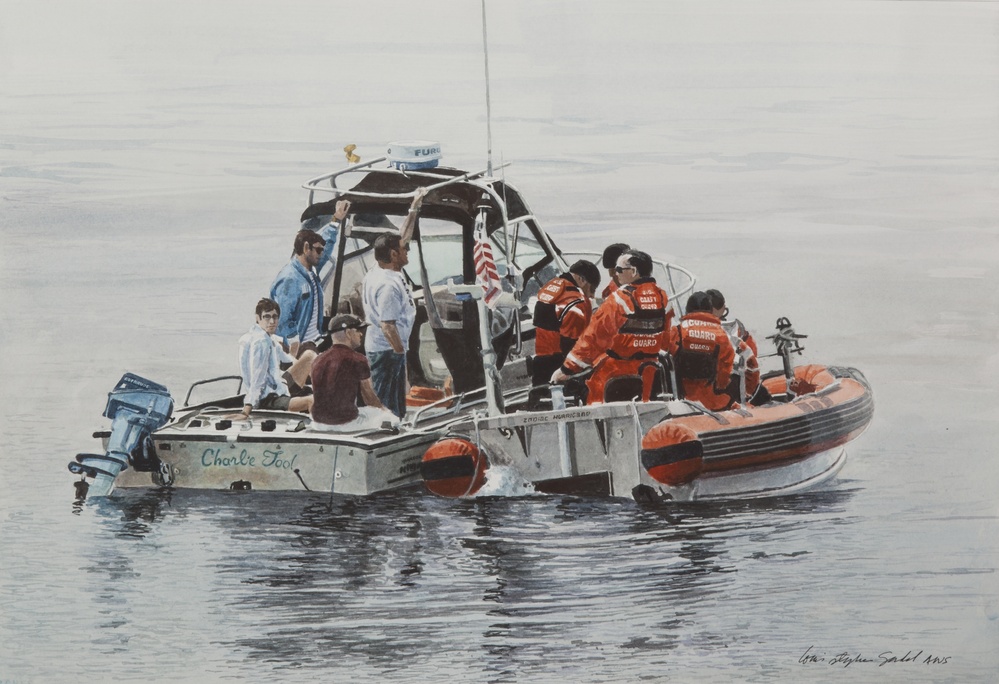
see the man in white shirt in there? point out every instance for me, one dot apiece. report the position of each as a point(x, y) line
point(389, 308)
point(260, 357)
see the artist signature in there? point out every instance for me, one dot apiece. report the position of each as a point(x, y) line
point(848, 658)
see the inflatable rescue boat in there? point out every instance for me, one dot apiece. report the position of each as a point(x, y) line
point(667, 448)
point(779, 448)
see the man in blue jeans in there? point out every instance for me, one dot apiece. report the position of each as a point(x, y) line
point(389, 308)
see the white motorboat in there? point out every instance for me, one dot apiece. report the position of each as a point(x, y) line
point(478, 354)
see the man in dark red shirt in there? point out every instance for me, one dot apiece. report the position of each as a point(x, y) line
point(338, 375)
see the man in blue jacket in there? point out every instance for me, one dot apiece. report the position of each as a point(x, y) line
point(298, 290)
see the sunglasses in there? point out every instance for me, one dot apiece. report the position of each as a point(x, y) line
point(622, 269)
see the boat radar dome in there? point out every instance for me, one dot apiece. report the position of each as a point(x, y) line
point(414, 154)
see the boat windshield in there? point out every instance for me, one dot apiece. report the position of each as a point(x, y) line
point(442, 252)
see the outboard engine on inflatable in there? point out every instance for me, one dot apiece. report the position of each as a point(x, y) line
point(786, 340)
point(136, 407)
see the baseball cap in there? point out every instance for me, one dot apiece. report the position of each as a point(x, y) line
point(346, 322)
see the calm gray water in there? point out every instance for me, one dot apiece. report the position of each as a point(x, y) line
point(836, 162)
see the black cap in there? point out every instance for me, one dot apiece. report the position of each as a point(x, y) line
point(699, 301)
point(346, 322)
point(588, 270)
point(610, 255)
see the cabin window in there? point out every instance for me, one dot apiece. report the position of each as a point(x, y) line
point(441, 250)
point(528, 255)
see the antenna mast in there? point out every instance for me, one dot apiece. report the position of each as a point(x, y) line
point(489, 125)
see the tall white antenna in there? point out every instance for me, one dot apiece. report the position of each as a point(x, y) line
point(489, 117)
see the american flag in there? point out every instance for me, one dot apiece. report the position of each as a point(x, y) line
point(485, 268)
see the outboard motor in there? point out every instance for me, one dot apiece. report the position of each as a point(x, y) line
point(136, 407)
point(787, 342)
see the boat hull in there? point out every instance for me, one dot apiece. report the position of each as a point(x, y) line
point(781, 448)
point(206, 453)
point(781, 479)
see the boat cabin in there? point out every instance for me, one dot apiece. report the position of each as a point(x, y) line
point(445, 341)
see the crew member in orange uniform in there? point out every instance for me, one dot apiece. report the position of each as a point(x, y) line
point(561, 315)
point(734, 327)
point(609, 261)
point(627, 331)
point(703, 354)
point(756, 393)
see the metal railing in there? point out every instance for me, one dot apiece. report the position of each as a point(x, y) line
point(190, 390)
point(313, 185)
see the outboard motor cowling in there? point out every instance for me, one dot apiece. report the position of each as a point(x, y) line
point(136, 407)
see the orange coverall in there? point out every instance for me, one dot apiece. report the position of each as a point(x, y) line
point(560, 317)
point(705, 358)
point(607, 291)
point(627, 330)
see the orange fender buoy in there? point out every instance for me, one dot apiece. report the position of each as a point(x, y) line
point(672, 454)
point(454, 467)
point(811, 378)
point(421, 396)
point(807, 379)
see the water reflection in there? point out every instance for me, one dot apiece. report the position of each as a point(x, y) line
point(137, 512)
point(368, 583)
point(817, 501)
point(327, 575)
point(109, 577)
point(700, 537)
point(371, 576)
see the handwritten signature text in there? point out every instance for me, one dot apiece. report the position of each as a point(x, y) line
point(848, 658)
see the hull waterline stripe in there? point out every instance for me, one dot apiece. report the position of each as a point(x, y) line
point(724, 452)
point(718, 444)
point(448, 467)
point(798, 430)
